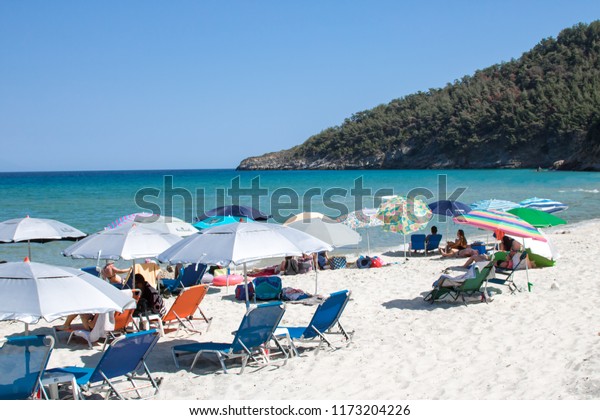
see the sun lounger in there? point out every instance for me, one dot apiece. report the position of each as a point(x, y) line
point(191, 276)
point(455, 288)
point(254, 332)
point(182, 311)
point(23, 360)
point(326, 317)
point(121, 362)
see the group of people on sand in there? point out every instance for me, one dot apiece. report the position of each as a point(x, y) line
point(460, 248)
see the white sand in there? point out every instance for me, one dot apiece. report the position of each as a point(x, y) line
point(539, 345)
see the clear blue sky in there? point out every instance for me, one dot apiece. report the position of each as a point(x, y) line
point(203, 84)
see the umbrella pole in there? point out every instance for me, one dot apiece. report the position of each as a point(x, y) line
point(526, 266)
point(245, 288)
point(368, 243)
point(29, 248)
point(316, 268)
point(404, 240)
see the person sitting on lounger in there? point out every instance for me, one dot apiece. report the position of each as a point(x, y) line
point(454, 247)
point(111, 273)
point(150, 300)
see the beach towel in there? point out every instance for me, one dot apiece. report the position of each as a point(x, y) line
point(338, 262)
point(104, 324)
point(450, 281)
point(290, 294)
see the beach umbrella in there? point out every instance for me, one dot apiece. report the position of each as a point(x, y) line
point(215, 221)
point(241, 243)
point(507, 223)
point(126, 242)
point(237, 211)
point(165, 224)
point(449, 208)
point(365, 218)
point(31, 291)
point(544, 204)
point(334, 233)
point(404, 215)
point(537, 218)
point(307, 215)
point(32, 229)
point(493, 204)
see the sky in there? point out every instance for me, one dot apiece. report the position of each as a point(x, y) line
point(144, 84)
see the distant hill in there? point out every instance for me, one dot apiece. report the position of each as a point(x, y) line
point(541, 110)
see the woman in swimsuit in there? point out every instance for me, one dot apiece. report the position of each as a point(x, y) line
point(111, 273)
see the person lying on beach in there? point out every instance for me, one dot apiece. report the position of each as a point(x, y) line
point(513, 259)
point(453, 247)
point(111, 273)
point(476, 258)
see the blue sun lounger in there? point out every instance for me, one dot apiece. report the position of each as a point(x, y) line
point(23, 360)
point(326, 317)
point(255, 331)
point(121, 362)
point(190, 276)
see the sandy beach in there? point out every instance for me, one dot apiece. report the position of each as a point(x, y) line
point(538, 345)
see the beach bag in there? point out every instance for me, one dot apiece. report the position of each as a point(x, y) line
point(363, 262)
point(376, 262)
point(338, 262)
point(267, 288)
point(240, 291)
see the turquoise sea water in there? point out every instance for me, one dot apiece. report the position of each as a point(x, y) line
point(91, 200)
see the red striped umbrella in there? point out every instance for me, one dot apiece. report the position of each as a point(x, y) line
point(505, 222)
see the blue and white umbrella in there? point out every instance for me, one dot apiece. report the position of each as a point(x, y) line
point(544, 204)
point(493, 204)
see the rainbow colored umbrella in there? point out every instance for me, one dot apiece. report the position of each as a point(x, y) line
point(507, 223)
point(404, 215)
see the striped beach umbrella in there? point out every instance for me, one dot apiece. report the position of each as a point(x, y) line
point(544, 204)
point(507, 223)
point(493, 204)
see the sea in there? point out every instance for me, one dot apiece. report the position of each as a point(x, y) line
point(90, 201)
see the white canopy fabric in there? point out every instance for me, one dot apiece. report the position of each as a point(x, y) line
point(31, 291)
point(36, 230)
point(127, 242)
point(334, 233)
point(240, 243)
point(543, 249)
point(307, 215)
point(164, 224)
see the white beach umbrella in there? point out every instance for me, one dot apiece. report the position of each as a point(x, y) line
point(240, 243)
point(307, 215)
point(127, 242)
point(334, 233)
point(165, 224)
point(30, 229)
point(31, 291)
